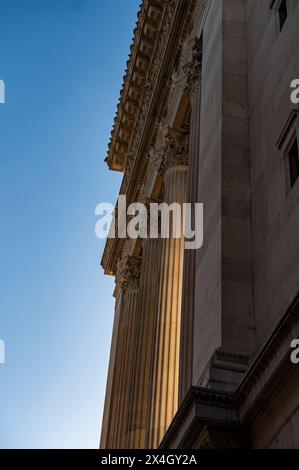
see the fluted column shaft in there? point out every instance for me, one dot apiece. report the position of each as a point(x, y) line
point(127, 291)
point(123, 412)
point(166, 361)
point(144, 343)
point(107, 434)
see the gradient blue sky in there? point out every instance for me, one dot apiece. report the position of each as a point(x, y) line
point(62, 62)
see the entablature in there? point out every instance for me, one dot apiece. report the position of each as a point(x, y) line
point(162, 70)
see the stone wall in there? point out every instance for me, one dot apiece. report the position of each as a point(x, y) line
point(224, 279)
point(273, 64)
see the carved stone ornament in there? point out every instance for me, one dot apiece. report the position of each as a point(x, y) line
point(193, 68)
point(128, 171)
point(128, 273)
point(171, 151)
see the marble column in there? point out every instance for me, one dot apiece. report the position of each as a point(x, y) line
point(173, 165)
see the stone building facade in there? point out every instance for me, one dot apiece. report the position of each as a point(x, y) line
point(200, 354)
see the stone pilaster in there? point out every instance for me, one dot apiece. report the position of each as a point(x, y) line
point(193, 89)
point(224, 320)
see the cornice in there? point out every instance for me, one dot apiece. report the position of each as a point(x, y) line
point(205, 398)
point(173, 25)
point(271, 368)
point(149, 19)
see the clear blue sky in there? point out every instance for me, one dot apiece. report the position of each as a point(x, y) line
point(62, 62)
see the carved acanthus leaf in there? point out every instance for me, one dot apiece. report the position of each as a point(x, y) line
point(171, 151)
point(128, 272)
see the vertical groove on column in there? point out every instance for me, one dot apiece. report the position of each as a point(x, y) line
point(166, 362)
point(120, 401)
point(126, 366)
point(107, 431)
point(144, 344)
point(131, 435)
point(116, 379)
point(127, 285)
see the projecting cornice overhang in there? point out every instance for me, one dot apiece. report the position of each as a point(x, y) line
point(160, 34)
point(206, 419)
point(146, 33)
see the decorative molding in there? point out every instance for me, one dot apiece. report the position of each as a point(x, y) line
point(271, 367)
point(193, 69)
point(270, 370)
point(169, 26)
point(192, 426)
point(225, 370)
point(213, 437)
point(156, 64)
point(171, 151)
point(145, 35)
point(128, 273)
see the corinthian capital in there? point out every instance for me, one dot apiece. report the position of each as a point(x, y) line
point(128, 273)
point(172, 151)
